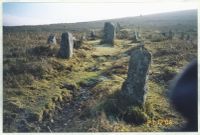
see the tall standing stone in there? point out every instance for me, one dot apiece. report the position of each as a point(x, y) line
point(92, 35)
point(109, 33)
point(66, 46)
point(135, 38)
point(135, 86)
point(51, 39)
point(118, 27)
point(171, 34)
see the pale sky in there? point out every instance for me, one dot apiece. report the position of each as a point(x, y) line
point(49, 13)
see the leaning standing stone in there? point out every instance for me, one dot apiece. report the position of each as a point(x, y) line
point(135, 87)
point(109, 33)
point(66, 46)
point(51, 39)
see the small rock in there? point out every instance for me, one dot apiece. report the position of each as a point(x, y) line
point(52, 121)
point(51, 39)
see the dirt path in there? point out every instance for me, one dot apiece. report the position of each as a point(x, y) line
point(62, 120)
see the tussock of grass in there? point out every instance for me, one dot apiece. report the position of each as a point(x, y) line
point(135, 115)
point(115, 106)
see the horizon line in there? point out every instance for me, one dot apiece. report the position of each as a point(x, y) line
point(103, 19)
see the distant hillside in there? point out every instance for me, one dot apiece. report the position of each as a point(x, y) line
point(155, 20)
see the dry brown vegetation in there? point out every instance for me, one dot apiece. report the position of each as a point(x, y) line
point(43, 93)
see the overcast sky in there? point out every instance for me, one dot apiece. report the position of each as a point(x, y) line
point(48, 13)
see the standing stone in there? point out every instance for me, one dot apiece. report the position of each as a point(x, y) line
point(77, 43)
point(109, 33)
point(187, 37)
point(163, 34)
point(51, 39)
point(92, 35)
point(118, 27)
point(138, 35)
point(135, 37)
point(83, 37)
point(170, 37)
point(66, 46)
point(134, 88)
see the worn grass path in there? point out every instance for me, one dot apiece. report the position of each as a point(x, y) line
point(104, 56)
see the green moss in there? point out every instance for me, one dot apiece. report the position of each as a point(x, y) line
point(106, 87)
